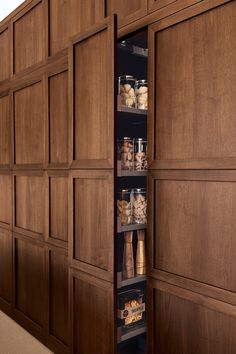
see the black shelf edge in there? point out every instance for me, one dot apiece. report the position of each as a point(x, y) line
point(129, 173)
point(131, 227)
point(122, 283)
point(136, 332)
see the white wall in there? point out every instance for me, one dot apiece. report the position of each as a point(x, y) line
point(7, 6)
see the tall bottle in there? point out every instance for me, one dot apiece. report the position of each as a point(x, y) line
point(128, 256)
point(141, 255)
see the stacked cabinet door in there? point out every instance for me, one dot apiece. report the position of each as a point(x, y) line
point(91, 189)
point(192, 191)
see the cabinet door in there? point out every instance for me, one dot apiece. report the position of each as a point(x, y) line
point(92, 87)
point(127, 11)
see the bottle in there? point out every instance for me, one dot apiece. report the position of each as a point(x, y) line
point(141, 256)
point(128, 256)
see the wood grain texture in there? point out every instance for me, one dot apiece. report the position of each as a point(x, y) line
point(195, 91)
point(192, 328)
point(29, 49)
point(58, 194)
point(6, 277)
point(58, 119)
point(29, 125)
point(127, 11)
point(91, 314)
point(194, 230)
point(30, 280)
point(154, 5)
point(91, 221)
point(29, 203)
point(67, 18)
point(92, 97)
point(6, 200)
point(5, 54)
point(58, 295)
point(5, 131)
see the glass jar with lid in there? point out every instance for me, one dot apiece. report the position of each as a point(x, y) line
point(124, 206)
point(141, 91)
point(131, 309)
point(140, 154)
point(139, 206)
point(126, 90)
point(126, 153)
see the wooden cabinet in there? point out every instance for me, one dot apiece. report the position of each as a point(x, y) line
point(127, 11)
point(29, 268)
point(92, 88)
point(91, 222)
point(58, 112)
point(67, 18)
point(5, 49)
point(29, 49)
point(197, 131)
point(5, 200)
point(29, 125)
point(195, 324)
point(30, 203)
point(6, 279)
point(58, 299)
point(92, 314)
point(5, 131)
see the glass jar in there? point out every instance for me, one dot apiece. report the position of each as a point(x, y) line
point(126, 90)
point(124, 208)
point(139, 206)
point(131, 309)
point(140, 154)
point(126, 153)
point(141, 91)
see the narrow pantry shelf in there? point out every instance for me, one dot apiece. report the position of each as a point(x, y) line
point(131, 227)
point(129, 173)
point(131, 110)
point(122, 283)
point(136, 332)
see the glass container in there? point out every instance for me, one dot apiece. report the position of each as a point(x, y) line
point(126, 90)
point(141, 91)
point(124, 208)
point(140, 154)
point(139, 206)
point(126, 153)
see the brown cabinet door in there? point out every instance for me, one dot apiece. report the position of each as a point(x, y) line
point(192, 195)
point(92, 104)
point(127, 11)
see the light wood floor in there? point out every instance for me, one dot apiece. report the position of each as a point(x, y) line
point(15, 340)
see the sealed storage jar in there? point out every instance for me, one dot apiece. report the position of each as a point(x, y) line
point(126, 90)
point(126, 153)
point(140, 154)
point(124, 208)
point(141, 91)
point(139, 206)
point(131, 309)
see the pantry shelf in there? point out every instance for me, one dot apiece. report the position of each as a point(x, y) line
point(133, 50)
point(131, 110)
point(131, 227)
point(122, 337)
point(129, 173)
point(122, 283)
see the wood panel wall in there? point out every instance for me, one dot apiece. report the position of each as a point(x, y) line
point(191, 246)
point(54, 169)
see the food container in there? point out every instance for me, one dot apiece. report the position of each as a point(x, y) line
point(124, 208)
point(140, 154)
point(126, 90)
point(141, 91)
point(131, 309)
point(126, 153)
point(139, 206)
